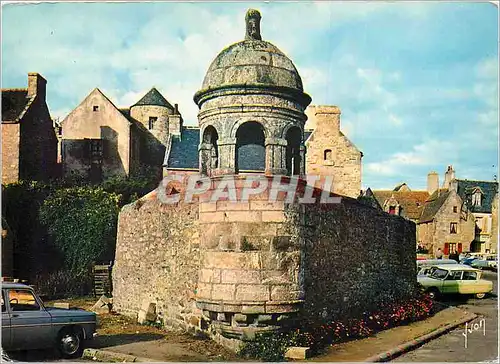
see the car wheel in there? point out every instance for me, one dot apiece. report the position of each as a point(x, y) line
point(480, 295)
point(433, 293)
point(70, 343)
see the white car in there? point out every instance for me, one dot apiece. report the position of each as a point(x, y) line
point(454, 278)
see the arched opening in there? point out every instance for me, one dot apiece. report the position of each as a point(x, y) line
point(210, 157)
point(250, 148)
point(293, 159)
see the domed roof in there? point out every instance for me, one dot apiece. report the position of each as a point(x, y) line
point(252, 62)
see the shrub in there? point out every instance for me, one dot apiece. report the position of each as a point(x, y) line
point(63, 284)
point(82, 221)
point(318, 336)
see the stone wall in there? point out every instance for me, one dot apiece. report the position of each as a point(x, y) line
point(356, 258)
point(10, 152)
point(157, 261)
point(38, 143)
point(331, 153)
point(240, 268)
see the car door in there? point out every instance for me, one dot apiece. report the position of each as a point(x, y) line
point(5, 324)
point(451, 282)
point(31, 324)
point(469, 282)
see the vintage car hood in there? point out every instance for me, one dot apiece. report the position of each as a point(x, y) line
point(72, 314)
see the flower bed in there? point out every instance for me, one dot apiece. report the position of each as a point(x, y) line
point(317, 336)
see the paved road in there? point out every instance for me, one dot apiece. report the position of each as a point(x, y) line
point(482, 344)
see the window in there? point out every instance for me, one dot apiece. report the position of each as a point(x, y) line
point(152, 121)
point(452, 247)
point(95, 108)
point(96, 149)
point(327, 155)
point(469, 276)
point(22, 300)
point(392, 210)
point(455, 209)
point(476, 198)
point(3, 304)
point(454, 275)
point(439, 273)
point(453, 227)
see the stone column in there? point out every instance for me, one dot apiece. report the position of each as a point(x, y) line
point(302, 160)
point(275, 156)
point(227, 156)
point(204, 158)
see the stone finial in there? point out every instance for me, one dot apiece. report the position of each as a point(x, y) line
point(252, 20)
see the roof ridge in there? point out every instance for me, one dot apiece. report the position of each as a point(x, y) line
point(475, 180)
point(15, 89)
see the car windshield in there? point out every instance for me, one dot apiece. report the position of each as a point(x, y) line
point(439, 273)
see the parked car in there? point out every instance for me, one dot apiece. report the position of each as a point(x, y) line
point(454, 278)
point(429, 262)
point(468, 260)
point(488, 261)
point(28, 324)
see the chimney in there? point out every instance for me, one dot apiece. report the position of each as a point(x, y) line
point(448, 177)
point(432, 182)
point(36, 85)
point(176, 109)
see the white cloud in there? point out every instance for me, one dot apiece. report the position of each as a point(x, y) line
point(426, 154)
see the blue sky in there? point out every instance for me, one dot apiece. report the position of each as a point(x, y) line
point(417, 82)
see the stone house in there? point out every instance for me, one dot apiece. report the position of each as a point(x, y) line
point(330, 152)
point(236, 269)
point(100, 140)
point(460, 215)
point(29, 143)
point(481, 197)
point(446, 223)
point(401, 201)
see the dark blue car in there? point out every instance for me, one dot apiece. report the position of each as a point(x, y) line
point(28, 324)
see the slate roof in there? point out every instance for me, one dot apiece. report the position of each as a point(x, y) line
point(433, 204)
point(14, 101)
point(489, 190)
point(412, 202)
point(184, 152)
point(154, 97)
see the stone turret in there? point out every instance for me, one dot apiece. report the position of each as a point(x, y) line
point(156, 114)
point(252, 102)
point(432, 182)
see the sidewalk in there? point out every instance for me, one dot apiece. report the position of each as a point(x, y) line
point(389, 341)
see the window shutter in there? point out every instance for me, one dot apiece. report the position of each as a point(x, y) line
point(459, 248)
point(446, 248)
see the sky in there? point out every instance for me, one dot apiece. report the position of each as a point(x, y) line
point(417, 82)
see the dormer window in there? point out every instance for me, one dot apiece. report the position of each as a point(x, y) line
point(152, 121)
point(476, 197)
